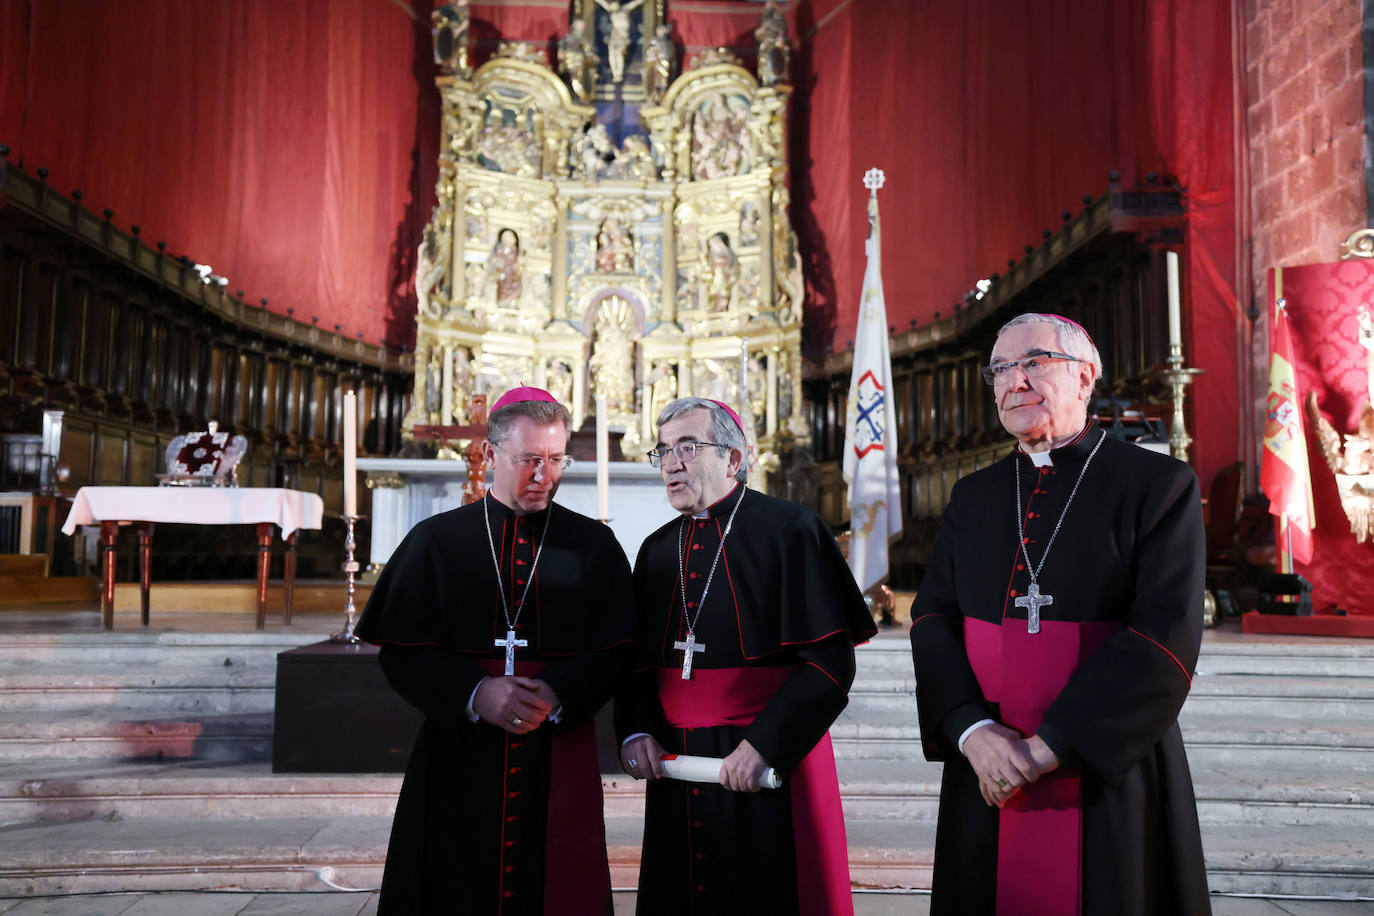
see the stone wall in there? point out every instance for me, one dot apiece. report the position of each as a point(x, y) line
point(1305, 126)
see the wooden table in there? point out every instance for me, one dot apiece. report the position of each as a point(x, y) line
point(144, 507)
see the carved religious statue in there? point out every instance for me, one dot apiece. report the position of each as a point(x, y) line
point(429, 268)
point(504, 267)
point(615, 249)
point(722, 272)
point(721, 145)
point(612, 366)
point(449, 28)
point(577, 63)
point(618, 42)
point(774, 47)
point(659, 59)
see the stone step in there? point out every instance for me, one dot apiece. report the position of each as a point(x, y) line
point(871, 790)
point(1240, 696)
point(164, 689)
point(152, 648)
point(288, 854)
point(103, 734)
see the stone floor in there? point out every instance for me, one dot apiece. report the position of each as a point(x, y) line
point(343, 904)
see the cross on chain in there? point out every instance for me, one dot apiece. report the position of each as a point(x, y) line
point(510, 643)
point(1032, 601)
point(866, 416)
point(688, 646)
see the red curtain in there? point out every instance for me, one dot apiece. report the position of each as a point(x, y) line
point(1329, 360)
point(292, 145)
point(277, 142)
point(990, 119)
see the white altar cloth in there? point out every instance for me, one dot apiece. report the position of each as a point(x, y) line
point(638, 502)
point(287, 509)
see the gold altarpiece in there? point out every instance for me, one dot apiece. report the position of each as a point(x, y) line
point(637, 271)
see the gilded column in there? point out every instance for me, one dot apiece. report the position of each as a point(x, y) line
point(771, 426)
point(669, 259)
point(446, 400)
point(560, 260)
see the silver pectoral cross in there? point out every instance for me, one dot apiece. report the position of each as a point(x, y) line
point(1032, 601)
point(509, 644)
point(689, 646)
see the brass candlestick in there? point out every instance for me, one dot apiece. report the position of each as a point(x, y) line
point(1179, 378)
point(350, 568)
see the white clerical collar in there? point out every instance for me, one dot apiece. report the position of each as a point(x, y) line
point(1040, 459)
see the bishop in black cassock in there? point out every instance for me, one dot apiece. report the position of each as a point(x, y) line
point(772, 657)
point(501, 809)
point(1055, 635)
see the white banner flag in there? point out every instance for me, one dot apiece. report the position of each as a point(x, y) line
point(870, 446)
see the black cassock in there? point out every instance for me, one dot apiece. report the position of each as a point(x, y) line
point(779, 624)
point(1126, 575)
point(489, 822)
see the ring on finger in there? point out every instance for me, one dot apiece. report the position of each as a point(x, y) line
point(633, 763)
point(1002, 782)
point(517, 721)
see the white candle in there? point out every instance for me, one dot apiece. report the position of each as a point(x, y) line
point(1175, 315)
point(603, 462)
point(707, 769)
point(350, 447)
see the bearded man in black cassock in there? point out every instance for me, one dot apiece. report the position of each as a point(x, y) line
point(748, 620)
point(1055, 636)
point(508, 623)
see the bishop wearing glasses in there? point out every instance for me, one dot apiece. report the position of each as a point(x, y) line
point(1054, 636)
point(748, 621)
point(507, 622)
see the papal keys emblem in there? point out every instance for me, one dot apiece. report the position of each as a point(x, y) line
point(868, 415)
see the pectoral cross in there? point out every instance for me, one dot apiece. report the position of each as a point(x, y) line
point(688, 647)
point(509, 644)
point(1032, 601)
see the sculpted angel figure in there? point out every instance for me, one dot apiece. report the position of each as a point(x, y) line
point(618, 42)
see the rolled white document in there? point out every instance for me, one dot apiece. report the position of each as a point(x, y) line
point(706, 769)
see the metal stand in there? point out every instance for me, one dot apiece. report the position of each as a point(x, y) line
point(1179, 378)
point(350, 568)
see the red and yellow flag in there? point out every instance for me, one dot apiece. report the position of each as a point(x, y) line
point(1284, 475)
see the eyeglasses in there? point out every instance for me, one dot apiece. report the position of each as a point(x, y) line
point(537, 462)
point(1035, 364)
point(686, 450)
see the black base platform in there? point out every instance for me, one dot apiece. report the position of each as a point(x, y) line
point(335, 713)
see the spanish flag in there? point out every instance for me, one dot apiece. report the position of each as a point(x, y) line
point(1284, 475)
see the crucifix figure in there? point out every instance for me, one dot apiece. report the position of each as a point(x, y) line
point(1032, 601)
point(510, 643)
point(688, 646)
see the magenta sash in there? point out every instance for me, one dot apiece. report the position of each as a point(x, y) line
point(1040, 829)
point(577, 874)
point(735, 696)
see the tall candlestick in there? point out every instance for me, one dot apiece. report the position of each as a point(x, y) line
point(1175, 314)
point(350, 448)
point(603, 463)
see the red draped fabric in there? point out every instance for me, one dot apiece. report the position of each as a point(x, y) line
point(280, 143)
point(990, 119)
point(292, 145)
